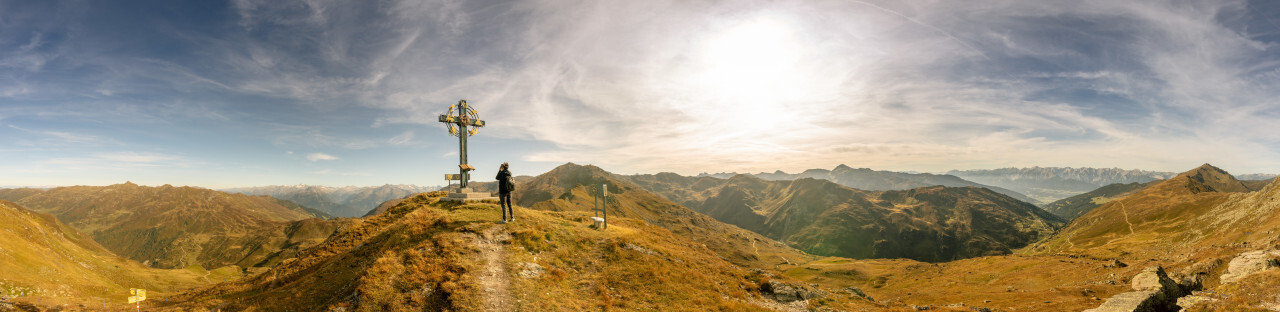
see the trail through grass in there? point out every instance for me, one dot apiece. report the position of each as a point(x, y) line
point(495, 281)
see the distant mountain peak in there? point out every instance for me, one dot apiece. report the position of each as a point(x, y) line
point(842, 167)
point(1208, 178)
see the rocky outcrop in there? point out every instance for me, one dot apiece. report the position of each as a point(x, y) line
point(1250, 262)
point(1153, 291)
point(787, 292)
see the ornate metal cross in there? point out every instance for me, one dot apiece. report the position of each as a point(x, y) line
point(458, 123)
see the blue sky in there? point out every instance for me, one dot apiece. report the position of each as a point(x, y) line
point(246, 92)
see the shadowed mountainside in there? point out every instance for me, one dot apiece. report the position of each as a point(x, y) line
point(934, 223)
point(176, 227)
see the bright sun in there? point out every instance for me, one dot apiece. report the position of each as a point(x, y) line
point(751, 59)
point(749, 70)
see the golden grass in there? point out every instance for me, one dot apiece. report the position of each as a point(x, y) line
point(423, 254)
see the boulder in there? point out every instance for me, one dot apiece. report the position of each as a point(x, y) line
point(1155, 278)
point(854, 291)
point(1248, 263)
point(530, 270)
point(1114, 263)
point(1153, 291)
point(1134, 301)
point(1190, 301)
point(785, 292)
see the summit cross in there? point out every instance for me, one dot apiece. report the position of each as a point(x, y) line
point(458, 119)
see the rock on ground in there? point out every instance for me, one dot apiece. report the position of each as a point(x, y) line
point(1153, 291)
point(785, 292)
point(1248, 263)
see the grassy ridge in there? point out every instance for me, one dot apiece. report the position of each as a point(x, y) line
point(423, 254)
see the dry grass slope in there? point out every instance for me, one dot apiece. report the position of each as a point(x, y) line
point(424, 254)
point(46, 262)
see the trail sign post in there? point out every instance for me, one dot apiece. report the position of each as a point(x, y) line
point(601, 201)
point(463, 121)
point(138, 296)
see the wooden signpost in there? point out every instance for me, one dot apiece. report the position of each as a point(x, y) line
point(601, 201)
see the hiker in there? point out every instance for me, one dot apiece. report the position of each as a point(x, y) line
point(504, 193)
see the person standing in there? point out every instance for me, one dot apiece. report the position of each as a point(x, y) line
point(504, 193)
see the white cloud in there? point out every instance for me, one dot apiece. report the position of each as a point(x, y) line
point(320, 156)
point(402, 139)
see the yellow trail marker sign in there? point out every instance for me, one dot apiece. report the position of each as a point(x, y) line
point(138, 295)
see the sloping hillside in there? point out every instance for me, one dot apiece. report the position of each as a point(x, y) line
point(45, 261)
point(567, 188)
point(1159, 220)
point(169, 227)
point(1075, 206)
point(426, 255)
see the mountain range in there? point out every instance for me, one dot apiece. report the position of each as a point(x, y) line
point(876, 180)
point(347, 201)
point(740, 243)
point(932, 223)
point(177, 227)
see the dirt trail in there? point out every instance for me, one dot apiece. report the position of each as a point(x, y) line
point(1126, 217)
point(494, 280)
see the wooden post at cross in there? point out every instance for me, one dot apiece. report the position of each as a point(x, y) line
point(458, 123)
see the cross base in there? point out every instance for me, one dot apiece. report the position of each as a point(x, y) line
point(465, 195)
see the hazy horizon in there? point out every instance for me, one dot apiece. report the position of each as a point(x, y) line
point(253, 93)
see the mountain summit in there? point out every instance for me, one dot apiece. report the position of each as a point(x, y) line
point(1208, 178)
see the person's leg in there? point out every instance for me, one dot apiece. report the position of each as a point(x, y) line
point(510, 209)
point(502, 204)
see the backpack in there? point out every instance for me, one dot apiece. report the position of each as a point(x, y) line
point(511, 184)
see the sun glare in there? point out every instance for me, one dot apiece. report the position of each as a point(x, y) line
point(755, 60)
point(749, 70)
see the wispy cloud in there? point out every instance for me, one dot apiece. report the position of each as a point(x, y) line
point(320, 156)
point(61, 137)
point(641, 86)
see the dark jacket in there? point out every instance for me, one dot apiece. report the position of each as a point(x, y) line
point(504, 181)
